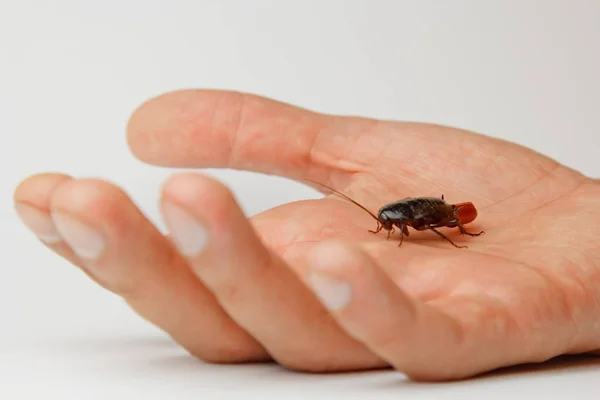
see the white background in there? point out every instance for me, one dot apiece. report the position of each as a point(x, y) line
point(71, 72)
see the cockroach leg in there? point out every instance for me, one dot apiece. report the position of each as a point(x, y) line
point(404, 229)
point(401, 236)
point(446, 238)
point(379, 228)
point(472, 234)
point(390, 232)
point(463, 231)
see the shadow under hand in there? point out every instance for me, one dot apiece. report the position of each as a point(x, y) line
point(563, 364)
point(558, 366)
point(158, 357)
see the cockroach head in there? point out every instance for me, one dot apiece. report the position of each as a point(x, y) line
point(385, 220)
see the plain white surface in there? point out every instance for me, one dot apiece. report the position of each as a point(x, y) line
point(71, 72)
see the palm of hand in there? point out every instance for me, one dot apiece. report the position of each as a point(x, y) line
point(529, 272)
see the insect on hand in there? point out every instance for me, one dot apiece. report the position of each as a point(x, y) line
point(420, 213)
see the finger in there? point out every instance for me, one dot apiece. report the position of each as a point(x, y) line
point(32, 205)
point(224, 129)
point(417, 339)
point(120, 247)
point(251, 283)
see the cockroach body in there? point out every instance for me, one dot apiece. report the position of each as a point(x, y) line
point(420, 213)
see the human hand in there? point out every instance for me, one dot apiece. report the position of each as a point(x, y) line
point(239, 290)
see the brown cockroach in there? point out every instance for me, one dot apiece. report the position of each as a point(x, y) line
point(420, 213)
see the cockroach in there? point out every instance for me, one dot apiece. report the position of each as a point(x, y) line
point(420, 213)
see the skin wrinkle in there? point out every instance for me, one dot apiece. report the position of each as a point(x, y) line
point(537, 209)
point(454, 163)
point(493, 166)
point(352, 167)
point(187, 118)
point(544, 176)
point(491, 161)
point(531, 212)
point(343, 158)
point(337, 165)
point(536, 167)
point(233, 137)
point(382, 155)
point(358, 151)
point(547, 175)
point(390, 179)
point(313, 161)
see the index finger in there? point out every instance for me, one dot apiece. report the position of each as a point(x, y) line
point(226, 129)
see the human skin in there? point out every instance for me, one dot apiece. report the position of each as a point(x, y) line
point(305, 284)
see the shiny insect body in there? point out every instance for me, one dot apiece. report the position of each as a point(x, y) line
point(420, 213)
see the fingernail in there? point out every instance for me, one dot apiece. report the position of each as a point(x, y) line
point(38, 222)
point(85, 241)
point(188, 234)
point(333, 293)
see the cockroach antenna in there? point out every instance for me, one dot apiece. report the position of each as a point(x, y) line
point(345, 197)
